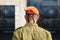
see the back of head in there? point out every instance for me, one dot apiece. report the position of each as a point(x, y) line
point(31, 10)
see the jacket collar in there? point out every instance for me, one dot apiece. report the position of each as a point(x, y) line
point(28, 24)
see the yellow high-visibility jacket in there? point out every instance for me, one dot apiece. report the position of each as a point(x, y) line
point(31, 32)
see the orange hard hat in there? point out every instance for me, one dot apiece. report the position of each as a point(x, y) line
point(31, 10)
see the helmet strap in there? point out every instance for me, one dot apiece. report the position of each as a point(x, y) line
point(32, 16)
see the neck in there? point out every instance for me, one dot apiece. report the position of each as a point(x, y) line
point(31, 22)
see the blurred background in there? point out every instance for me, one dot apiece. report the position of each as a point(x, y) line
point(49, 15)
point(7, 21)
point(12, 16)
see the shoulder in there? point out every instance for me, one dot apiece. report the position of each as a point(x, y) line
point(48, 32)
point(48, 35)
point(17, 33)
point(18, 30)
point(44, 30)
